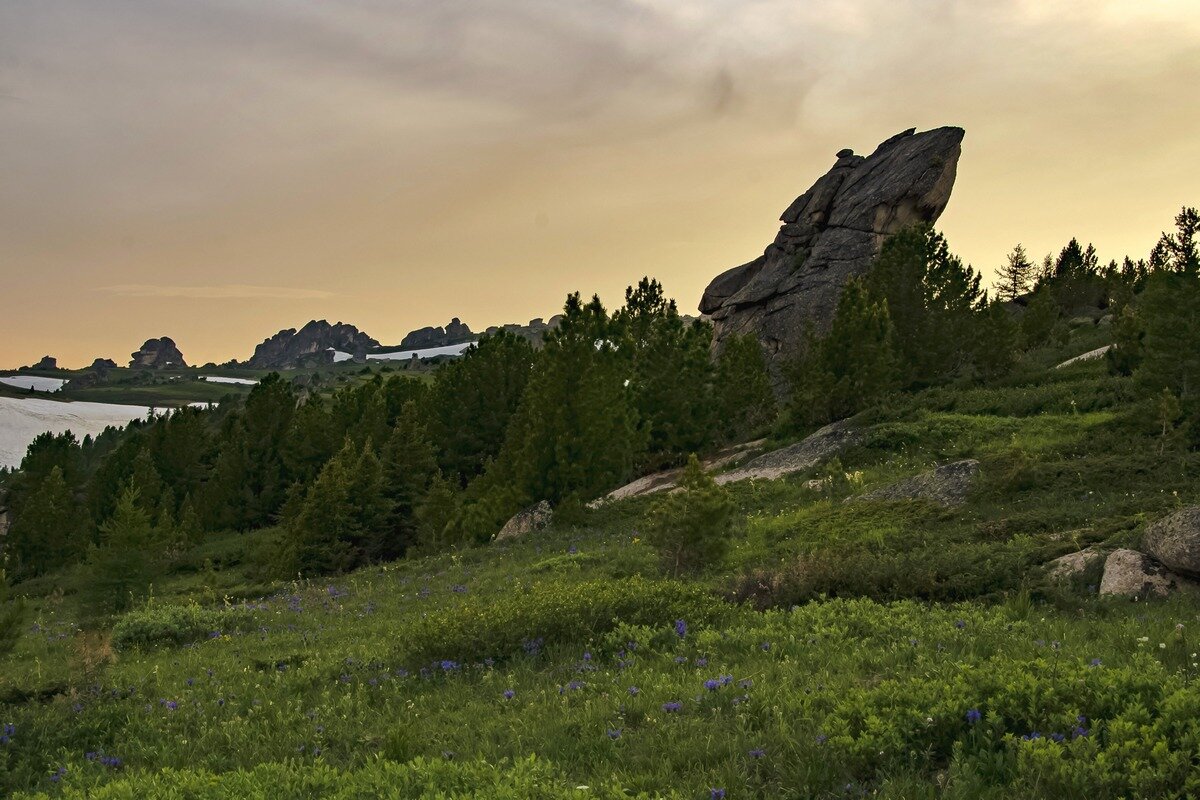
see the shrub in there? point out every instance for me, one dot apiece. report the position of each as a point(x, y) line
point(156, 625)
point(691, 528)
point(551, 613)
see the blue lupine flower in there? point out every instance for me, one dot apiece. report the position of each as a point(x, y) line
point(1058, 738)
point(633, 690)
point(716, 794)
point(509, 694)
point(1079, 732)
point(9, 729)
point(572, 550)
point(958, 623)
point(822, 738)
point(726, 680)
point(765, 646)
point(757, 752)
point(680, 628)
point(712, 684)
point(701, 662)
point(672, 707)
point(614, 733)
point(974, 716)
point(172, 705)
point(1095, 662)
point(1029, 737)
point(680, 659)
point(587, 656)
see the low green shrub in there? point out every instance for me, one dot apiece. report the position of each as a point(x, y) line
point(550, 613)
point(156, 625)
point(419, 779)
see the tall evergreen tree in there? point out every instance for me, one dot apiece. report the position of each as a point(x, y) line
point(409, 464)
point(859, 352)
point(123, 566)
point(1169, 310)
point(742, 390)
point(47, 535)
point(1016, 276)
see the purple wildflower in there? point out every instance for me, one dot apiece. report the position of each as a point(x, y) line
point(716, 794)
point(680, 628)
point(672, 707)
point(712, 684)
point(509, 694)
point(757, 752)
point(614, 733)
point(974, 716)
point(633, 691)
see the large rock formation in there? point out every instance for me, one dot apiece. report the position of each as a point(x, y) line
point(310, 345)
point(830, 234)
point(1175, 541)
point(157, 354)
point(455, 332)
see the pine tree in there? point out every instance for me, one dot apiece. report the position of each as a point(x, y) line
point(1040, 318)
point(859, 352)
point(409, 463)
point(996, 339)
point(436, 512)
point(932, 299)
point(1016, 276)
point(669, 372)
point(122, 568)
point(341, 512)
point(692, 528)
point(47, 535)
point(12, 612)
point(744, 399)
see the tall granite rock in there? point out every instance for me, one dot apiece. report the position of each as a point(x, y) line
point(310, 345)
point(455, 332)
point(830, 234)
point(158, 354)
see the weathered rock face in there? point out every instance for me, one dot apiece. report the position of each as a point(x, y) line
point(1175, 541)
point(47, 362)
point(310, 345)
point(799, 457)
point(947, 485)
point(1128, 573)
point(830, 234)
point(103, 365)
point(534, 518)
point(157, 354)
point(455, 332)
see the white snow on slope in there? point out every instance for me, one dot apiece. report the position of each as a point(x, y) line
point(21, 420)
point(220, 379)
point(339, 356)
point(35, 382)
point(428, 352)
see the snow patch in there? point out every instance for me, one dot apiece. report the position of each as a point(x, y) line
point(22, 420)
point(427, 352)
point(339, 356)
point(220, 379)
point(34, 382)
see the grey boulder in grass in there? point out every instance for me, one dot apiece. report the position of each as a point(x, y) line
point(946, 485)
point(1175, 541)
point(1128, 573)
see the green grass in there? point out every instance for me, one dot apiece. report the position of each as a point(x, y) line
point(870, 635)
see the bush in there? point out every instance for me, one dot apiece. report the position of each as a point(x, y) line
point(691, 528)
point(157, 625)
point(551, 613)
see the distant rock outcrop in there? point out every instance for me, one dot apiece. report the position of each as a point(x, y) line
point(158, 354)
point(310, 345)
point(455, 332)
point(830, 234)
point(533, 331)
point(103, 365)
point(47, 362)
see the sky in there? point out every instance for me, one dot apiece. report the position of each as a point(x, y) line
point(217, 170)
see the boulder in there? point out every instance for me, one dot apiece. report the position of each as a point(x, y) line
point(1128, 573)
point(1066, 567)
point(947, 485)
point(830, 234)
point(799, 457)
point(534, 518)
point(669, 478)
point(1175, 541)
point(158, 354)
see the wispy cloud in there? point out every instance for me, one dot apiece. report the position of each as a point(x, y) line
point(227, 291)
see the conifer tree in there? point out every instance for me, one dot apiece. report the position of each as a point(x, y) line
point(122, 567)
point(436, 512)
point(1169, 310)
point(47, 534)
point(12, 611)
point(744, 398)
point(1016, 276)
point(1040, 318)
point(859, 352)
point(692, 528)
point(409, 463)
point(996, 341)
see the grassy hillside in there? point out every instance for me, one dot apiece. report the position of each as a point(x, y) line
point(896, 649)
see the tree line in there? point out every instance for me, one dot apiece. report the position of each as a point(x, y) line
point(392, 466)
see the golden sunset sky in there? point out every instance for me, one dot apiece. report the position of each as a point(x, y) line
point(216, 170)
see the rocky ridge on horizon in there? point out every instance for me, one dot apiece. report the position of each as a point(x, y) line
point(157, 354)
point(311, 344)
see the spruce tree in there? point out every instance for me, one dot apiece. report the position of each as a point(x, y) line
point(1040, 318)
point(436, 512)
point(409, 463)
point(743, 396)
point(692, 528)
point(47, 535)
point(1016, 276)
point(123, 566)
point(859, 352)
point(1169, 309)
point(12, 612)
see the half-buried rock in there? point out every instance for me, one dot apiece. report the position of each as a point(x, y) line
point(947, 485)
point(534, 518)
point(1128, 573)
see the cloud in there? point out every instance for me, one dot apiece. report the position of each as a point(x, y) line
point(228, 291)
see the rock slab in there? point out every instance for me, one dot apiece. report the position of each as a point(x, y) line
point(946, 485)
point(1175, 541)
point(830, 234)
point(798, 457)
point(534, 518)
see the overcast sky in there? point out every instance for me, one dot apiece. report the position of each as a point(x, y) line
point(215, 170)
